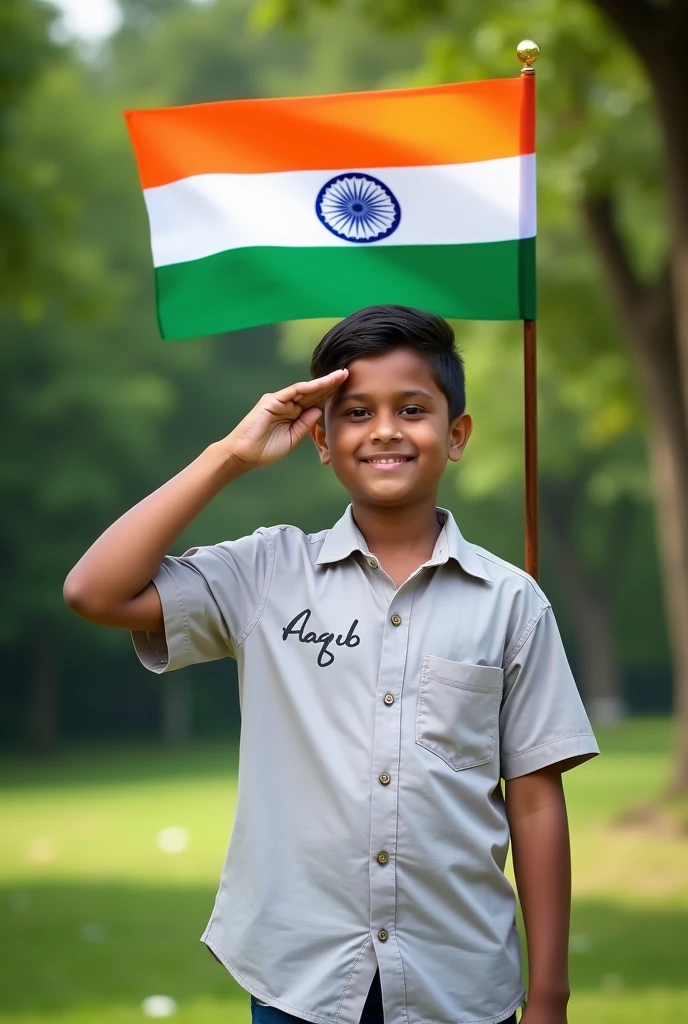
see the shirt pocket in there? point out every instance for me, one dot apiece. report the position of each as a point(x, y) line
point(457, 716)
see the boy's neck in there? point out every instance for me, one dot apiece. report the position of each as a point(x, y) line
point(402, 538)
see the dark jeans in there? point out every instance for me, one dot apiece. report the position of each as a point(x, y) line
point(372, 1011)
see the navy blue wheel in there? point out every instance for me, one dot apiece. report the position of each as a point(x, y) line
point(358, 207)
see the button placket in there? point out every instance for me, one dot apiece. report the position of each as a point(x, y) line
point(386, 755)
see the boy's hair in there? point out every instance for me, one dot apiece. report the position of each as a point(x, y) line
point(378, 329)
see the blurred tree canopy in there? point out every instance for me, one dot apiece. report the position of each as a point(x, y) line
point(99, 411)
point(26, 52)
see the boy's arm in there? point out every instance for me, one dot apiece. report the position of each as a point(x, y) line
point(536, 811)
point(111, 584)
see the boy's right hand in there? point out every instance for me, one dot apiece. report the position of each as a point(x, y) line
point(279, 422)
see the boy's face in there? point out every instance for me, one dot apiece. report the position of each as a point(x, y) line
point(386, 431)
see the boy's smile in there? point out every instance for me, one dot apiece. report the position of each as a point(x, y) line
point(386, 431)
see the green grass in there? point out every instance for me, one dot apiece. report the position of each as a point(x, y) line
point(94, 917)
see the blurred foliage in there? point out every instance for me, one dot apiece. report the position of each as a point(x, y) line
point(99, 411)
point(25, 51)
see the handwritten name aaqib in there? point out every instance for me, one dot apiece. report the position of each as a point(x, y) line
point(297, 628)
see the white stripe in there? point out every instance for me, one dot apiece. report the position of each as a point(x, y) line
point(446, 204)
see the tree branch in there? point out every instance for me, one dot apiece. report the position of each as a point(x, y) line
point(659, 307)
point(637, 20)
point(647, 316)
point(646, 311)
point(627, 289)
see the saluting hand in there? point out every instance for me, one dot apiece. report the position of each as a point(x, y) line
point(279, 422)
point(112, 583)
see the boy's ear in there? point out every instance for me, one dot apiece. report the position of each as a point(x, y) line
point(320, 441)
point(459, 432)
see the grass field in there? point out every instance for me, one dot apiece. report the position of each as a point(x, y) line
point(95, 917)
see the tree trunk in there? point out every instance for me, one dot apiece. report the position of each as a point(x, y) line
point(43, 716)
point(657, 33)
point(670, 476)
point(671, 85)
point(648, 315)
point(591, 614)
point(176, 708)
point(667, 70)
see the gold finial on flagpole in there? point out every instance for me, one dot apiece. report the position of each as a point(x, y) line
point(527, 52)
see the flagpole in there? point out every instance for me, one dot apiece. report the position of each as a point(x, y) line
point(528, 52)
point(531, 455)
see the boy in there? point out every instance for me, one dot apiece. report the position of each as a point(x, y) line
point(390, 672)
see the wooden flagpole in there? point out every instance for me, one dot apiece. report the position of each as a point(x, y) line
point(530, 408)
point(528, 53)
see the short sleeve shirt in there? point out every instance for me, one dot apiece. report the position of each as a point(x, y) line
point(377, 721)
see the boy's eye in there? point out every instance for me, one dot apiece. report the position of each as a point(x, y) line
point(413, 410)
point(357, 414)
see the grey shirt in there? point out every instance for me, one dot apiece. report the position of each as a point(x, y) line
point(376, 724)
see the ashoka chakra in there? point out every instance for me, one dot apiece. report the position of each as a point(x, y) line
point(358, 207)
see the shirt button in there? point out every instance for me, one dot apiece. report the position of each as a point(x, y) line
point(396, 619)
point(388, 698)
point(385, 779)
point(373, 563)
point(382, 857)
point(382, 935)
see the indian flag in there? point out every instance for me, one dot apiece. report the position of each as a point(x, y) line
point(282, 209)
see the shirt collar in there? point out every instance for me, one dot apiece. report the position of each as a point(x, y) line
point(344, 538)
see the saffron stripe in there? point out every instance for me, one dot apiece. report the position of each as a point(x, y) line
point(446, 124)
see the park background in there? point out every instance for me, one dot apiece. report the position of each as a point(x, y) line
point(117, 787)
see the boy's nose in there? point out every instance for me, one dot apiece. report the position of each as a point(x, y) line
point(385, 429)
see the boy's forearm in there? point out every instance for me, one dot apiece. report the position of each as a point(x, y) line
point(125, 558)
point(536, 810)
point(111, 584)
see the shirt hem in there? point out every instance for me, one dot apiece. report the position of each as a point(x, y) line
point(504, 1015)
point(317, 1018)
point(270, 1000)
point(583, 745)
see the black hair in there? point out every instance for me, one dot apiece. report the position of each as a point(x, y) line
point(378, 329)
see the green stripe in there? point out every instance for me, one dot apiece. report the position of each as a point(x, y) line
point(262, 285)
